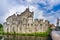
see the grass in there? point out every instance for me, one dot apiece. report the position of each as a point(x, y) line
point(41, 34)
point(1, 30)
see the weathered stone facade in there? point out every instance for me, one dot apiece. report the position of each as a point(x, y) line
point(24, 23)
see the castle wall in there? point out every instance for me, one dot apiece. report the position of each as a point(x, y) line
point(24, 24)
point(27, 27)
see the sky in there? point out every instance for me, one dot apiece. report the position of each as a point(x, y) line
point(43, 9)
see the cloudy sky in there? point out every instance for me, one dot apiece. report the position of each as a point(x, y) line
point(43, 9)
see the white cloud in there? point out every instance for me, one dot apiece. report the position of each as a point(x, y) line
point(53, 17)
point(13, 7)
point(49, 3)
point(54, 2)
point(28, 0)
point(19, 9)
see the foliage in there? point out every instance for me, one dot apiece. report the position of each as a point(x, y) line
point(1, 25)
point(41, 34)
point(1, 28)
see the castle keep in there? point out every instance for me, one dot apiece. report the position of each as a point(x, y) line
point(24, 23)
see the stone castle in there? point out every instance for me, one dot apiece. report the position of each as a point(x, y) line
point(24, 23)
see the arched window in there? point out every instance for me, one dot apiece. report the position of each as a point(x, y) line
point(28, 24)
point(40, 24)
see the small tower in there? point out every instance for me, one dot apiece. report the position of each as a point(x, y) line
point(27, 9)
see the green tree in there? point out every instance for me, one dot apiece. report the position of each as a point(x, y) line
point(1, 25)
point(1, 28)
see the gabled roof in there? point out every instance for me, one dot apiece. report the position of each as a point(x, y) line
point(27, 11)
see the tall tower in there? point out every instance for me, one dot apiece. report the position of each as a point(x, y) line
point(57, 26)
point(57, 22)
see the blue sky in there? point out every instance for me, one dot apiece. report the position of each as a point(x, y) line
point(43, 9)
